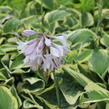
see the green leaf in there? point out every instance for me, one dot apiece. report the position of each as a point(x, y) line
point(81, 36)
point(15, 94)
point(101, 105)
point(79, 57)
point(5, 9)
point(12, 25)
point(93, 92)
point(17, 4)
point(87, 20)
point(50, 96)
point(29, 20)
point(80, 78)
point(8, 47)
point(6, 63)
point(105, 40)
point(99, 61)
point(87, 5)
point(70, 89)
point(56, 15)
point(64, 2)
point(19, 71)
point(106, 3)
point(48, 3)
point(2, 39)
point(107, 106)
point(18, 64)
point(2, 77)
point(105, 14)
point(95, 77)
point(28, 104)
point(7, 100)
point(33, 84)
point(2, 52)
point(83, 55)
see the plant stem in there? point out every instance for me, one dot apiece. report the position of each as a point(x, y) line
point(42, 17)
point(57, 90)
point(100, 6)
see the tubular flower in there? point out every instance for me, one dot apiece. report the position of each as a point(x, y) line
point(42, 52)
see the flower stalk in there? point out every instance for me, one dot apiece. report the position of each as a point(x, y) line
point(57, 90)
point(100, 6)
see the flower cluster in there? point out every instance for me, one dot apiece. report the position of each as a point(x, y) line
point(42, 52)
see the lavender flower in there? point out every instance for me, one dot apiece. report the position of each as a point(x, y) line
point(28, 32)
point(42, 52)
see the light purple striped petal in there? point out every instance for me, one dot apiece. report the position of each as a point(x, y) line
point(28, 32)
point(54, 51)
point(40, 46)
point(48, 42)
point(29, 49)
point(48, 63)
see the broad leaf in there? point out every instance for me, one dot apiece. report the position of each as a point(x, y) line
point(12, 25)
point(7, 100)
point(82, 36)
point(99, 62)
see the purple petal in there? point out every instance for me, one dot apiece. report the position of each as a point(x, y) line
point(26, 60)
point(58, 61)
point(21, 45)
point(54, 51)
point(57, 50)
point(48, 63)
point(62, 39)
point(40, 46)
point(31, 41)
point(28, 32)
point(48, 42)
point(29, 49)
point(36, 62)
point(60, 50)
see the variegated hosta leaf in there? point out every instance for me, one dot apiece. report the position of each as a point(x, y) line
point(12, 25)
point(78, 56)
point(99, 62)
point(7, 100)
point(95, 77)
point(87, 19)
point(70, 89)
point(33, 84)
point(105, 39)
point(93, 92)
point(5, 9)
point(2, 77)
point(28, 104)
point(46, 3)
point(82, 36)
point(49, 96)
point(69, 18)
point(15, 94)
point(17, 64)
point(105, 14)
